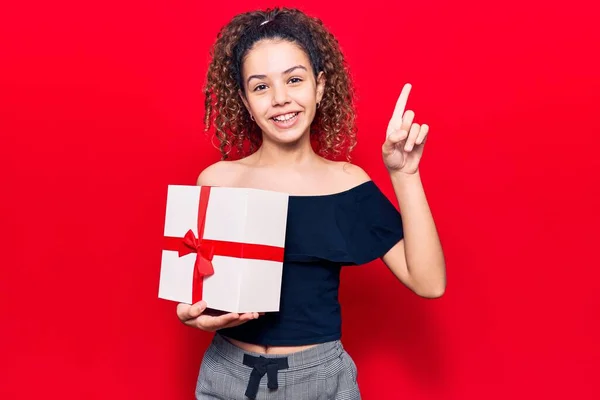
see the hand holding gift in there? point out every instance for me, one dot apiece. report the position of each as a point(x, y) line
point(197, 316)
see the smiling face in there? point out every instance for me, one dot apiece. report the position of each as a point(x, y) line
point(281, 91)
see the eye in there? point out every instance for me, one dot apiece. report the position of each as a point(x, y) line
point(259, 87)
point(295, 80)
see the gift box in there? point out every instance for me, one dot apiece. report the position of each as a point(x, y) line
point(225, 246)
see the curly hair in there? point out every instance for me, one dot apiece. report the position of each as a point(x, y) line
point(333, 130)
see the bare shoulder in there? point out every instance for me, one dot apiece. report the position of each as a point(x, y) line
point(348, 174)
point(221, 173)
point(354, 172)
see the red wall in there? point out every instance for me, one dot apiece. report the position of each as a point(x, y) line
point(101, 108)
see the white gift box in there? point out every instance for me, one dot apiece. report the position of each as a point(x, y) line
point(242, 236)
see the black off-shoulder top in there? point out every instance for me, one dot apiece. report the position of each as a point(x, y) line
point(323, 234)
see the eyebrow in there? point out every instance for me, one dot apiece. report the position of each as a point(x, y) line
point(287, 71)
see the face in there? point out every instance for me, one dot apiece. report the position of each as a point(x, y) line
point(281, 91)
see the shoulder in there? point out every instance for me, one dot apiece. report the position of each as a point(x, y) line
point(221, 173)
point(354, 172)
point(349, 175)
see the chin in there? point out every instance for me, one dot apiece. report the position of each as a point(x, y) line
point(289, 135)
point(285, 139)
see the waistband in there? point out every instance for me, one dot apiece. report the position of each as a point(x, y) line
point(298, 360)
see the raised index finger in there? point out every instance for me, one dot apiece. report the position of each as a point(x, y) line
point(396, 120)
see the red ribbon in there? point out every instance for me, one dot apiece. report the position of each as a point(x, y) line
point(207, 248)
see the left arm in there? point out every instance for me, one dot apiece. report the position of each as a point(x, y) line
point(418, 259)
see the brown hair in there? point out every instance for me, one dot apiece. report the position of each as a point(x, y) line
point(333, 129)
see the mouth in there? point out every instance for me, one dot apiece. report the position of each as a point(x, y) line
point(285, 120)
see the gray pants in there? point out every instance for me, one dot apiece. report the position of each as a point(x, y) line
point(325, 372)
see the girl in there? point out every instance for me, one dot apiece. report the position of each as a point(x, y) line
point(279, 95)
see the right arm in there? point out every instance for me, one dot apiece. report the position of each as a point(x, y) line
point(199, 315)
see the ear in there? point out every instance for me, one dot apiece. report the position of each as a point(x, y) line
point(244, 100)
point(320, 86)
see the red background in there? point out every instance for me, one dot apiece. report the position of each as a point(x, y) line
point(101, 108)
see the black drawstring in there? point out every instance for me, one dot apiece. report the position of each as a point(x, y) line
point(261, 366)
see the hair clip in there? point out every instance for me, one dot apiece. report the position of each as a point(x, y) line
point(264, 22)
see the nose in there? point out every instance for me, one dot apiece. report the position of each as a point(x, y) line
point(280, 96)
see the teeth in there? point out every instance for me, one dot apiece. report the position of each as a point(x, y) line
point(285, 117)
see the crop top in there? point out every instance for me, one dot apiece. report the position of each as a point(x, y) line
point(323, 234)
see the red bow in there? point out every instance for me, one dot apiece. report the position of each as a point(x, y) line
point(206, 250)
